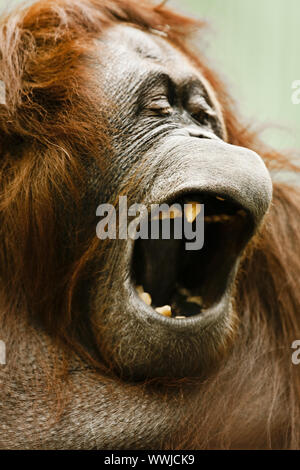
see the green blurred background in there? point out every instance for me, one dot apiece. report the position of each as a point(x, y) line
point(255, 46)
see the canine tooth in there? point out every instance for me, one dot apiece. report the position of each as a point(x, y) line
point(146, 298)
point(192, 210)
point(140, 289)
point(166, 310)
point(220, 198)
point(195, 300)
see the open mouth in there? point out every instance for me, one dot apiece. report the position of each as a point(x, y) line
point(179, 283)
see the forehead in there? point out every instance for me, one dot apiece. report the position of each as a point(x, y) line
point(129, 53)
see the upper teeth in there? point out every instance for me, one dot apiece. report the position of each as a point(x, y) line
point(218, 218)
point(166, 310)
point(191, 211)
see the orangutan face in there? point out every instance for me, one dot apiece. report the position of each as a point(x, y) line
point(166, 310)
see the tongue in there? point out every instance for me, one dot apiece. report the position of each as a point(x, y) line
point(159, 265)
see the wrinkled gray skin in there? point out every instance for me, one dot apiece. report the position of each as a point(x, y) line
point(178, 154)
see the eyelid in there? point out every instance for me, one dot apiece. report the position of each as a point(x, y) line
point(199, 104)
